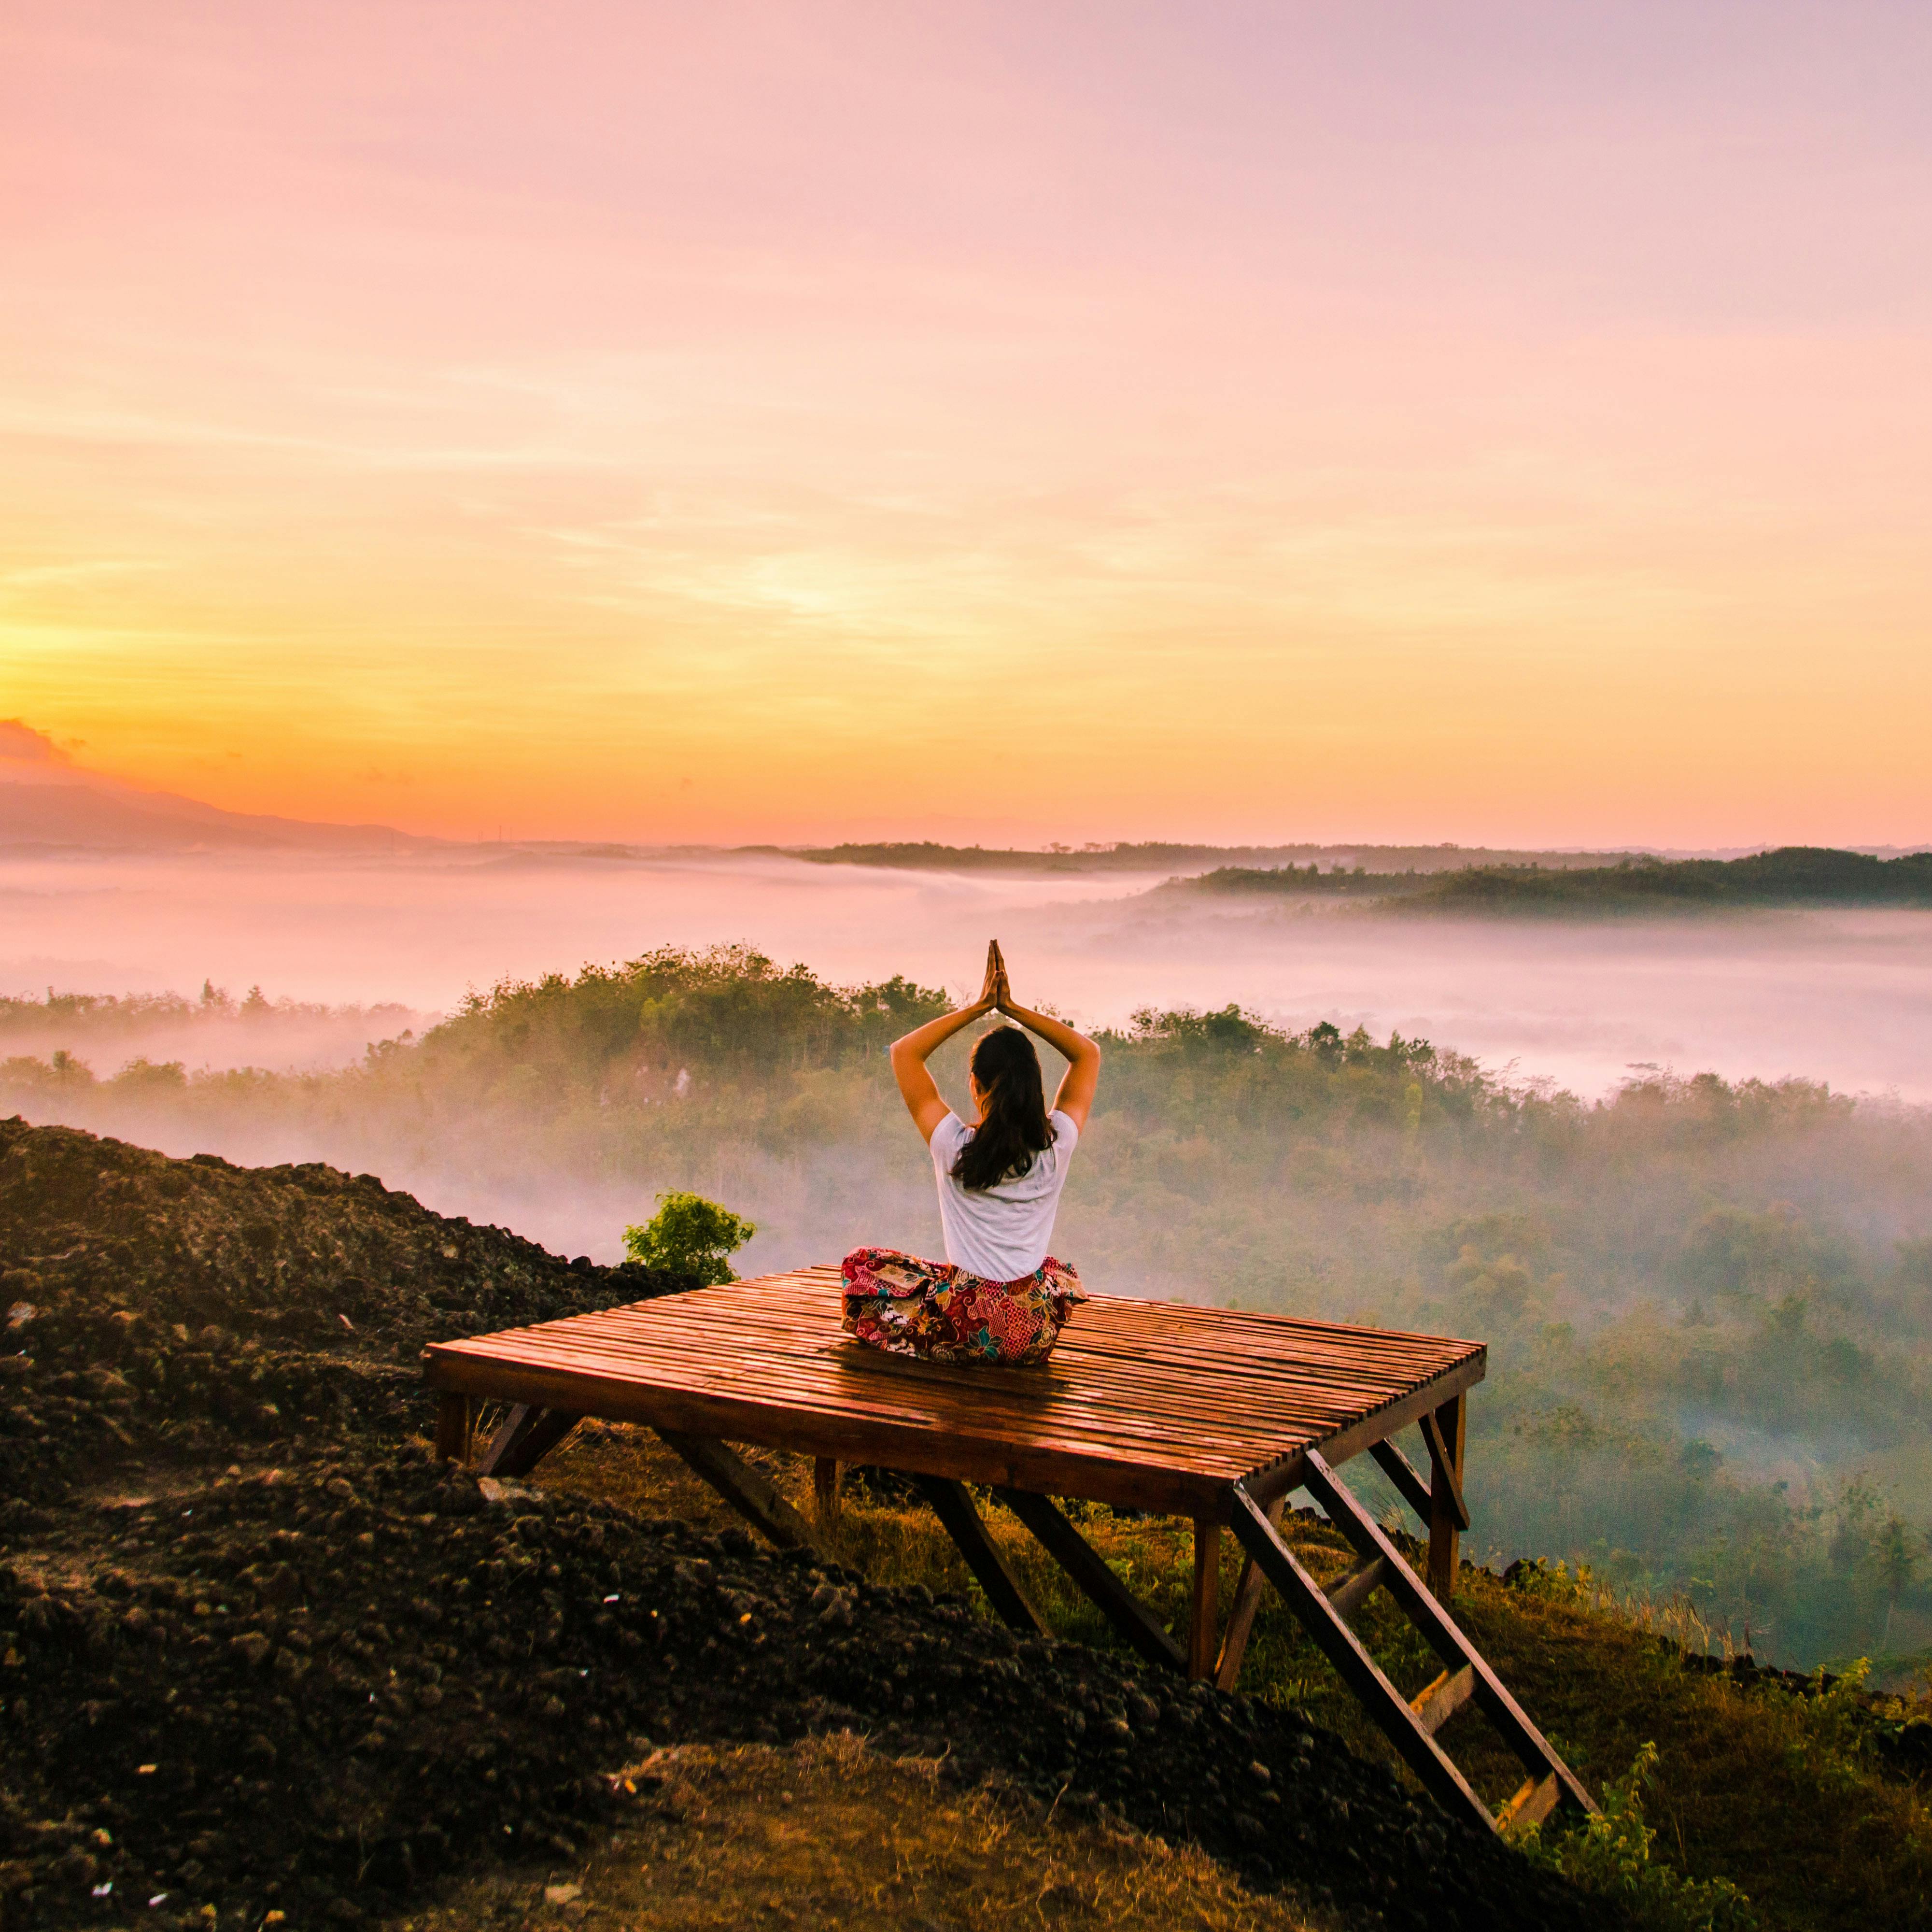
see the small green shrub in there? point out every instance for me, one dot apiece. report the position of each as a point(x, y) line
point(1609, 1855)
point(690, 1236)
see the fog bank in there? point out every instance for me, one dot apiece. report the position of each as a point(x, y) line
point(1845, 997)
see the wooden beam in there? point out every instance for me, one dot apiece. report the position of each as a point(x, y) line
point(751, 1493)
point(953, 1505)
point(453, 1417)
point(1204, 1617)
point(1353, 1590)
point(1384, 1703)
point(1130, 1617)
point(1283, 1478)
point(1436, 1703)
point(1445, 1429)
point(523, 1438)
point(1424, 1609)
point(1246, 1606)
point(1406, 1477)
point(825, 1474)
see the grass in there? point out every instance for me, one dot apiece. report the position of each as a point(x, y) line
point(830, 1835)
point(1772, 1792)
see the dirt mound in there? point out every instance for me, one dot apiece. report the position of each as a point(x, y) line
point(306, 1691)
point(308, 1694)
point(154, 1306)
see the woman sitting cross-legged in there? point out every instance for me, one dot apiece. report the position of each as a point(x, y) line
point(999, 1296)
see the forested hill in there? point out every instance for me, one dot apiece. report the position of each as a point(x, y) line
point(1792, 876)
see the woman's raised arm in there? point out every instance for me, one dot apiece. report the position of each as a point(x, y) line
point(1077, 1085)
point(910, 1052)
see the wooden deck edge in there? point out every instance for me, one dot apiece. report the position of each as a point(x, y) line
point(996, 1465)
point(1283, 1477)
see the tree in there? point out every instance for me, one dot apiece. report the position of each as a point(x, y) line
point(1896, 1553)
point(689, 1235)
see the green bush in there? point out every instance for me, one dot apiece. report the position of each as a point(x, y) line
point(690, 1236)
point(1609, 1855)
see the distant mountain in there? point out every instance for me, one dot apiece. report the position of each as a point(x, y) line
point(926, 856)
point(69, 811)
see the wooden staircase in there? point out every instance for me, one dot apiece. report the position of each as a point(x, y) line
point(1410, 1723)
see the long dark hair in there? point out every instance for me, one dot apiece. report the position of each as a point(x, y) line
point(1015, 1128)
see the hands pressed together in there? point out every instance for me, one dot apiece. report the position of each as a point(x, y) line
point(909, 1054)
point(997, 995)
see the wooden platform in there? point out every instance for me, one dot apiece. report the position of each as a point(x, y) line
point(1210, 1413)
point(1153, 1405)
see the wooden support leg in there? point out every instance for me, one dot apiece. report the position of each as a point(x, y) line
point(452, 1428)
point(753, 1495)
point(523, 1438)
point(825, 1474)
point(1445, 1430)
point(1201, 1628)
point(954, 1508)
point(1088, 1568)
point(1241, 1618)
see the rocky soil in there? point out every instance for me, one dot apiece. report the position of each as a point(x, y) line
point(261, 1655)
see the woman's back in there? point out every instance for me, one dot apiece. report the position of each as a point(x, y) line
point(1005, 1231)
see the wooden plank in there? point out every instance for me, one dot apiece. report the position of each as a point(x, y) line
point(1130, 1617)
point(1204, 1612)
point(825, 1475)
point(1343, 1649)
point(1128, 1340)
point(916, 1450)
point(1445, 1430)
point(1353, 1590)
point(1440, 1631)
point(984, 1557)
point(1534, 1802)
point(748, 1491)
point(1246, 1606)
point(1254, 1403)
point(1134, 1475)
point(1149, 1405)
point(1404, 1474)
point(1436, 1703)
point(523, 1438)
point(453, 1419)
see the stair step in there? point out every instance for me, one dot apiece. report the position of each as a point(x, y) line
point(1533, 1803)
point(1354, 1589)
point(1436, 1703)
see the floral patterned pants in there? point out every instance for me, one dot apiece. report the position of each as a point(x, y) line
point(932, 1309)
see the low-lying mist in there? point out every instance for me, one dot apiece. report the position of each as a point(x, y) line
point(1843, 996)
point(1708, 1301)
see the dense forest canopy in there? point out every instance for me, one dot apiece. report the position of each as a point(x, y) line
point(1708, 1305)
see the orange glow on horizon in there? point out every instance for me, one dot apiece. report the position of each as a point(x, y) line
point(785, 425)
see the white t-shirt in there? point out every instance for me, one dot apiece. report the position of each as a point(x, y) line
point(1001, 1233)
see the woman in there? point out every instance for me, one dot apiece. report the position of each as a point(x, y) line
point(999, 1297)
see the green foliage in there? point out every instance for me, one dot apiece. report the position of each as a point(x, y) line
point(690, 1236)
point(1609, 1854)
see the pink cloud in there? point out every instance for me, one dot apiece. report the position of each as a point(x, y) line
point(22, 744)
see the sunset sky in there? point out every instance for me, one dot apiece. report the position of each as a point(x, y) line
point(1079, 421)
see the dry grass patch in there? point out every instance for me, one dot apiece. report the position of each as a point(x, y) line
point(830, 1834)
